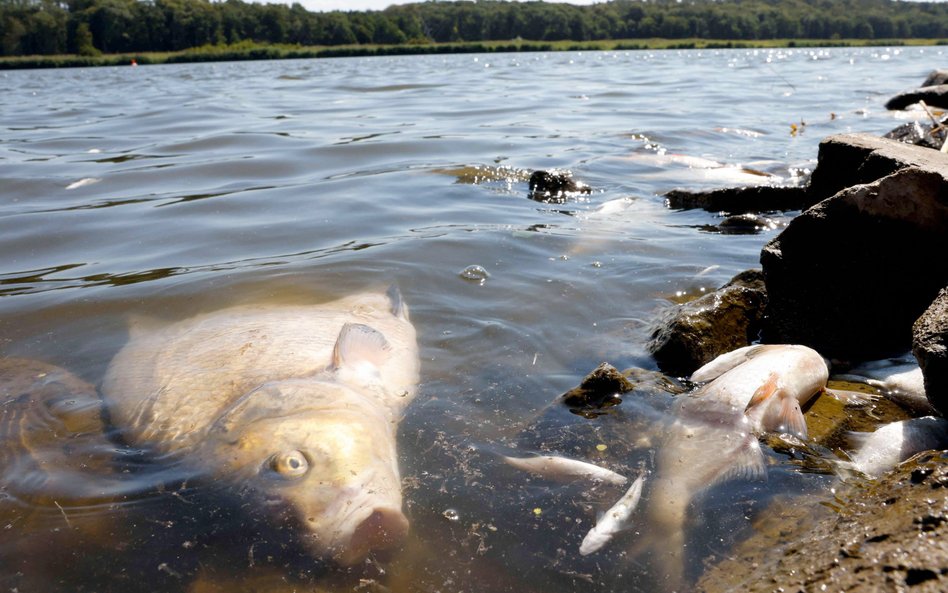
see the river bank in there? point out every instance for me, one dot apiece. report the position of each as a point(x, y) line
point(254, 51)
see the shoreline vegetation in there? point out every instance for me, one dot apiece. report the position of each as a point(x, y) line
point(53, 33)
point(244, 50)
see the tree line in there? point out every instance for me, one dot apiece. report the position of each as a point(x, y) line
point(91, 27)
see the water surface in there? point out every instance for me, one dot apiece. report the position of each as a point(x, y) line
point(169, 190)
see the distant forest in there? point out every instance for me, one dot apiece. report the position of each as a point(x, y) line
point(91, 27)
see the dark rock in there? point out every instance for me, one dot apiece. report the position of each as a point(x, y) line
point(934, 96)
point(746, 224)
point(741, 200)
point(850, 159)
point(849, 276)
point(554, 187)
point(886, 535)
point(598, 389)
point(930, 347)
point(694, 333)
point(936, 77)
point(919, 134)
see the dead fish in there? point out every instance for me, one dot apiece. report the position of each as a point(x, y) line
point(713, 435)
point(878, 452)
point(900, 379)
point(300, 403)
point(769, 383)
point(613, 521)
point(552, 467)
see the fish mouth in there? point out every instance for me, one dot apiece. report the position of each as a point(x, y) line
point(365, 527)
point(378, 529)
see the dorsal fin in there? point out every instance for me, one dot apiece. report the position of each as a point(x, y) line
point(142, 324)
point(397, 303)
point(357, 343)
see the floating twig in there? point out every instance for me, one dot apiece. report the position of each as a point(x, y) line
point(65, 516)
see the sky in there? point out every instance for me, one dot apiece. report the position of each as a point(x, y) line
point(324, 5)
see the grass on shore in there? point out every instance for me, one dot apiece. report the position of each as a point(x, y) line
point(254, 51)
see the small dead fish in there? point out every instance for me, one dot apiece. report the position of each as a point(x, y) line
point(878, 452)
point(614, 520)
point(551, 467)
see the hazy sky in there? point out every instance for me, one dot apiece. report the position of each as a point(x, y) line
point(320, 5)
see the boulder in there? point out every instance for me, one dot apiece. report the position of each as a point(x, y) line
point(691, 334)
point(850, 275)
point(936, 77)
point(554, 186)
point(741, 200)
point(845, 160)
point(934, 96)
point(930, 347)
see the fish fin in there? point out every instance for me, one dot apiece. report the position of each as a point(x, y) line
point(852, 398)
point(748, 464)
point(762, 395)
point(791, 418)
point(357, 343)
point(398, 307)
point(139, 325)
point(726, 362)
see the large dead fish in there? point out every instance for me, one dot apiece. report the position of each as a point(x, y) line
point(300, 403)
point(713, 435)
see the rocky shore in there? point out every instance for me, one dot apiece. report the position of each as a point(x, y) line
point(860, 274)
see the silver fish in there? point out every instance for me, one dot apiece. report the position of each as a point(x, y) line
point(900, 379)
point(552, 467)
point(300, 403)
point(713, 435)
point(614, 520)
point(878, 452)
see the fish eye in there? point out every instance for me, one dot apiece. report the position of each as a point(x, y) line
point(289, 464)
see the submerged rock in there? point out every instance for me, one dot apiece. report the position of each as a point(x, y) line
point(694, 333)
point(930, 347)
point(849, 276)
point(934, 96)
point(602, 387)
point(886, 535)
point(554, 186)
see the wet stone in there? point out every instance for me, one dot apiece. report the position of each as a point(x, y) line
point(919, 134)
point(554, 187)
point(694, 333)
point(600, 388)
point(930, 347)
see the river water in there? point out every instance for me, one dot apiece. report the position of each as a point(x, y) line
point(169, 190)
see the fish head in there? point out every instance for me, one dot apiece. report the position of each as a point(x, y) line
point(322, 453)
